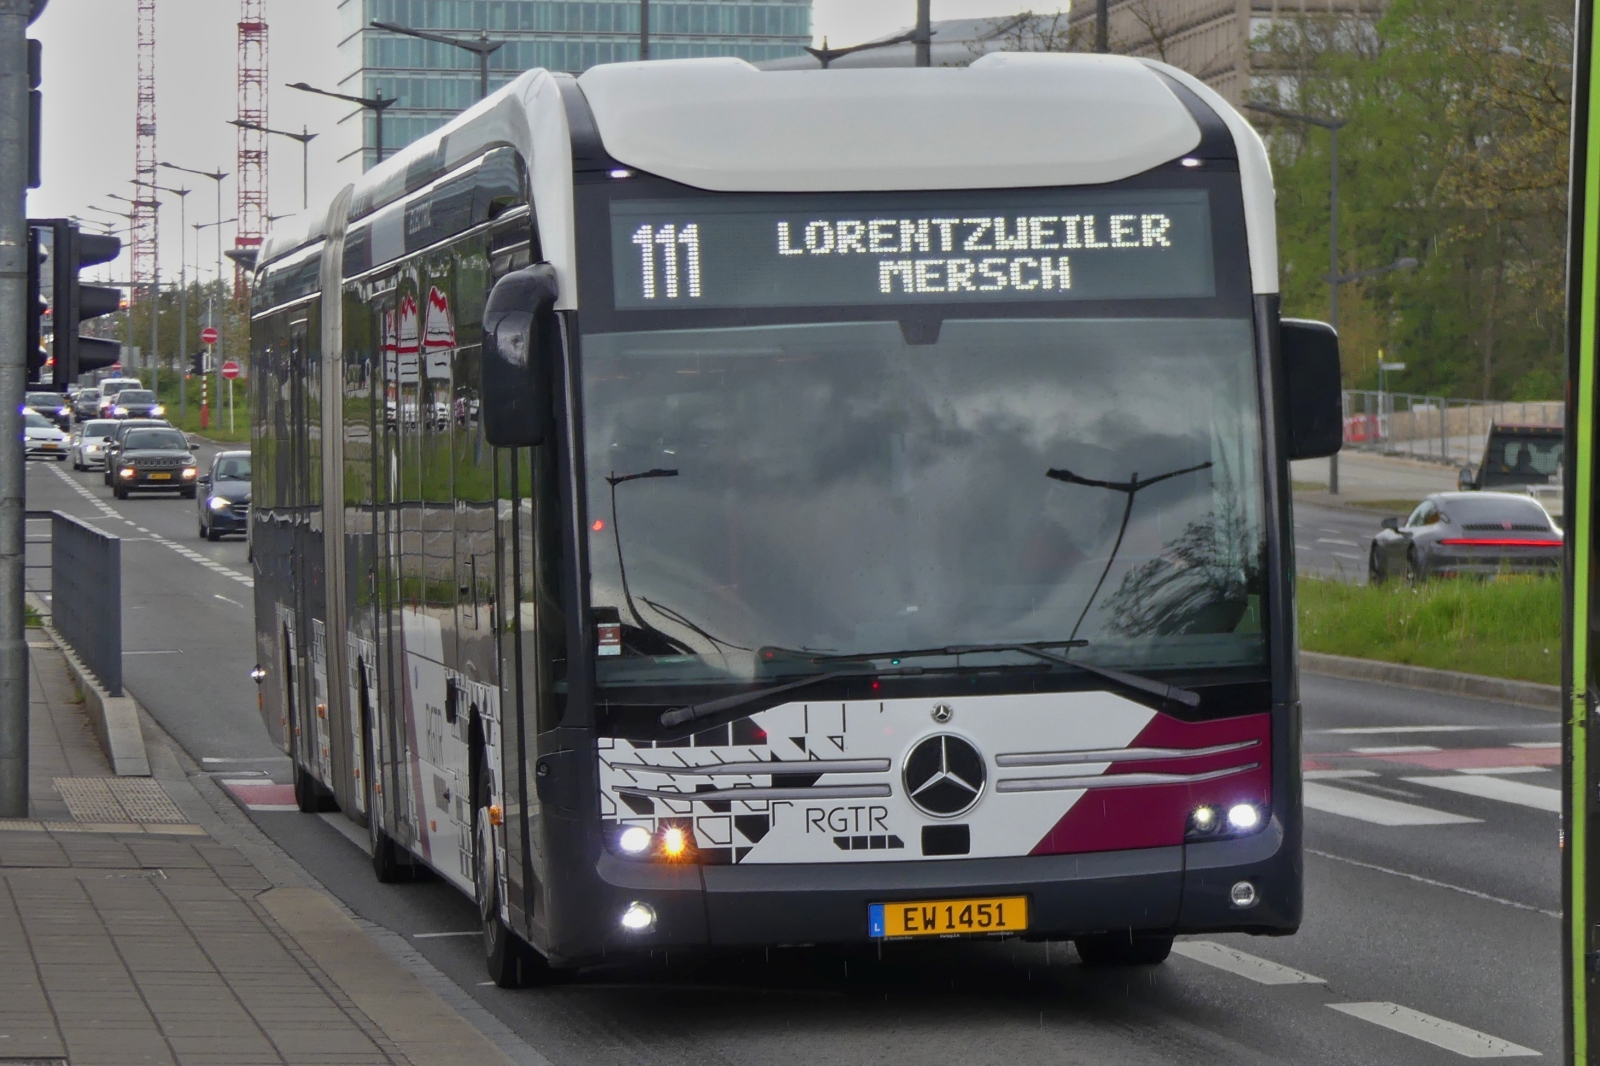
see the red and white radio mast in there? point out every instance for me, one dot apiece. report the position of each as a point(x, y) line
point(142, 235)
point(252, 164)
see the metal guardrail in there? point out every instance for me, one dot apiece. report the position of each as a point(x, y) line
point(86, 595)
point(1437, 428)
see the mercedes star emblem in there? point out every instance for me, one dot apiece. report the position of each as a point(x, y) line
point(943, 712)
point(944, 775)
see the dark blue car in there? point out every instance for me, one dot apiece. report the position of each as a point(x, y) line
point(225, 495)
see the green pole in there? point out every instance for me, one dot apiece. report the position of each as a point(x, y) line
point(1579, 787)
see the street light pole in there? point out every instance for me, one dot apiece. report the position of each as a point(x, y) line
point(924, 35)
point(1333, 126)
point(376, 104)
point(305, 140)
point(1102, 26)
point(155, 280)
point(483, 48)
point(183, 291)
point(644, 30)
point(216, 176)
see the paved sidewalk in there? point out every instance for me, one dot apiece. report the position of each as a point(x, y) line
point(130, 934)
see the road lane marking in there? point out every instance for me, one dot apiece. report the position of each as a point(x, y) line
point(1396, 749)
point(1472, 758)
point(1507, 770)
point(225, 599)
point(1336, 540)
point(1430, 882)
point(1259, 970)
point(1375, 809)
point(1336, 775)
point(1520, 793)
point(1536, 743)
point(435, 936)
point(164, 651)
point(110, 512)
point(1374, 729)
point(1468, 1043)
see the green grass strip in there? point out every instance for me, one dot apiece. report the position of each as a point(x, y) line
point(1510, 627)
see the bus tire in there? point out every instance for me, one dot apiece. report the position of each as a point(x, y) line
point(307, 796)
point(389, 863)
point(1123, 949)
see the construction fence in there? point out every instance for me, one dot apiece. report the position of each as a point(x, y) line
point(1436, 427)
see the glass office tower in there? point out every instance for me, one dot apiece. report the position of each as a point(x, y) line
point(433, 82)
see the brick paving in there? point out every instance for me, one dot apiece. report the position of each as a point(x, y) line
point(149, 942)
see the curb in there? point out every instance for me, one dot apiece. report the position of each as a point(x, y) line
point(115, 718)
point(1476, 686)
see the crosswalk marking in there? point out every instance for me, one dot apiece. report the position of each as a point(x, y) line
point(1495, 788)
point(1396, 749)
point(1507, 770)
point(1375, 809)
point(1376, 729)
point(1256, 969)
point(1536, 743)
point(1468, 1043)
point(1336, 775)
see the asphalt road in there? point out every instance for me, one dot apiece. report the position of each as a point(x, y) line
point(1334, 541)
point(1431, 887)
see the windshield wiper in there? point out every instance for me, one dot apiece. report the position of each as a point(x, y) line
point(696, 711)
point(1149, 686)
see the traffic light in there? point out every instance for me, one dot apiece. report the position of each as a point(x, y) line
point(197, 364)
point(73, 302)
point(38, 302)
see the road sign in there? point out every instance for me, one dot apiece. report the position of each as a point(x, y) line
point(209, 335)
point(230, 370)
point(1391, 366)
point(115, 368)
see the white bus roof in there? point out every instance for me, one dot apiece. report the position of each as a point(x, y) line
point(1009, 120)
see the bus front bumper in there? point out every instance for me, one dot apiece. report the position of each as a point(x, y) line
point(1167, 890)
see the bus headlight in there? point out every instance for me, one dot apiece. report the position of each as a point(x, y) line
point(1243, 817)
point(634, 840)
point(1218, 822)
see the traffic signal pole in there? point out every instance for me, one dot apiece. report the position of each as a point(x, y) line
point(1580, 800)
point(14, 19)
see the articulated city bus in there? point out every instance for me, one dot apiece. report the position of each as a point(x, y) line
point(702, 507)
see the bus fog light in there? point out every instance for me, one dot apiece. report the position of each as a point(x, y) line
point(638, 918)
point(1243, 816)
point(1204, 819)
point(635, 840)
point(1243, 894)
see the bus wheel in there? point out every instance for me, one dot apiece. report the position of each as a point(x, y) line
point(1123, 949)
point(388, 860)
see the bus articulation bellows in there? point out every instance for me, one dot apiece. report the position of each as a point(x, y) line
point(700, 507)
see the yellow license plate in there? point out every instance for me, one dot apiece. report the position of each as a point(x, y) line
point(160, 477)
point(949, 917)
point(50, 445)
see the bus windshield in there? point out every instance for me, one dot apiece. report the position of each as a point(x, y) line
point(830, 488)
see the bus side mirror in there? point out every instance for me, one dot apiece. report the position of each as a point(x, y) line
point(519, 342)
point(1465, 481)
point(1392, 523)
point(1315, 412)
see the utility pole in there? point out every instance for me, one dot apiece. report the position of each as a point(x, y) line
point(1102, 26)
point(14, 18)
point(924, 35)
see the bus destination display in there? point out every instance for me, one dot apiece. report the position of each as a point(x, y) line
point(774, 251)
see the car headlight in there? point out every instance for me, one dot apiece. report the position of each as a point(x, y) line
point(190, 472)
point(63, 411)
point(217, 503)
point(120, 412)
point(126, 472)
point(91, 447)
point(158, 410)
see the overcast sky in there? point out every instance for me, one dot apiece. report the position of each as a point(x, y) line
point(89, 75)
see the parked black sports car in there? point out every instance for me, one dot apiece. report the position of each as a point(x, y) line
point(1454, 534)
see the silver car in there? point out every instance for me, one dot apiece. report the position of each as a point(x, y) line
point(88, 450)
